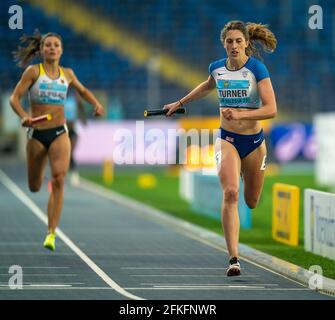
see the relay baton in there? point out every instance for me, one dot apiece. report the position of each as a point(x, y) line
point(45, 117)
point(159, 112)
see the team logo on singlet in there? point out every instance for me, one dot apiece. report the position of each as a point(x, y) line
point(245, 74)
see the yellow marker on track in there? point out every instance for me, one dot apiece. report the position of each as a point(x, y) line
point(108, 172)
point(146, 181)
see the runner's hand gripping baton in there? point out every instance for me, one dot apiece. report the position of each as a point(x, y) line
point(159, 112)
point(45, 117)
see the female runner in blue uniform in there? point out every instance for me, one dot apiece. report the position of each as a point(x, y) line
point(245, 96)
point(47, 84)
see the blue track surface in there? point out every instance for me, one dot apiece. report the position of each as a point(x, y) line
point(143, 258)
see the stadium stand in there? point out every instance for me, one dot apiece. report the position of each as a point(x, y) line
point(189, 31)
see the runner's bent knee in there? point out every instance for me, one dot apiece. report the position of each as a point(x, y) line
point(35, 186)
point(251, 202)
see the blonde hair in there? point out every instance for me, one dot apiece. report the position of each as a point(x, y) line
point(33, 44)
point(254, 33)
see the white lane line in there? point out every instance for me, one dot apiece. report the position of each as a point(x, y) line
point(45, 284)
point(51, 287)
point(69, 287)
point(11, 186)
point(66, 288)
point(215, 246)
point(24, 286)
point(48, 285)
point(220, 288)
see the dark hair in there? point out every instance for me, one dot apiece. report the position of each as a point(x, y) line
point(32, 46)
point(254, 33)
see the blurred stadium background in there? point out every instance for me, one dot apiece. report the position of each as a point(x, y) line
point(140, 54)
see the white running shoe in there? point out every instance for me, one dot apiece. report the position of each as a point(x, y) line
point(234, 268)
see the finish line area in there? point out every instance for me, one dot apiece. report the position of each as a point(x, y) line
point(107, 251)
